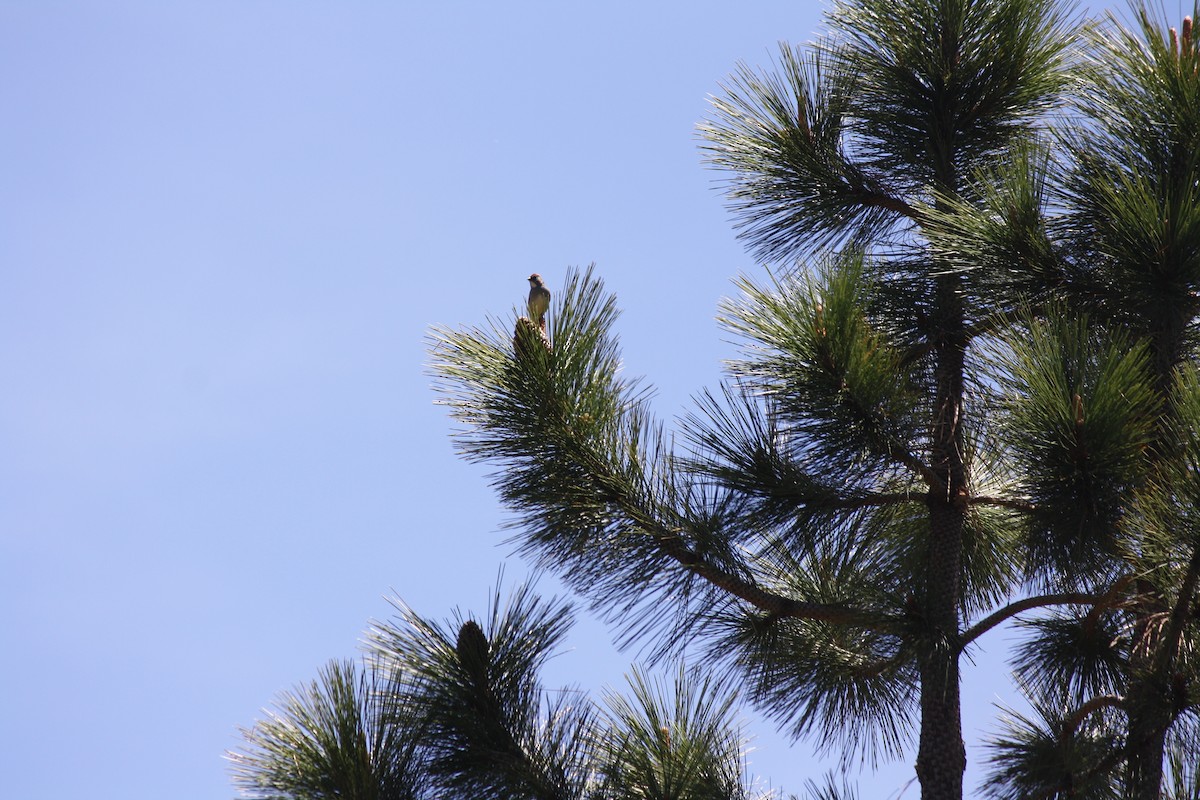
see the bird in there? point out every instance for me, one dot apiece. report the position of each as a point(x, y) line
point(539, 300)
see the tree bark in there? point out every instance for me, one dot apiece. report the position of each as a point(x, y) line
point(941, 758)
point(1148, 723)
point(1153, 654)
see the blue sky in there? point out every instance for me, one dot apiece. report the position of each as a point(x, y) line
point(225, 230)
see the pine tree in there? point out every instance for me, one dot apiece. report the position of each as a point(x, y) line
point(1112, 209)
point(831, 524)
point(968, 391)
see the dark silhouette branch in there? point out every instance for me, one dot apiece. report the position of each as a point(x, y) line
point(1100, 602)
point(865, 501)
point(876, 199)
point(670, 543)
point(1107, 600)
point(918, 467)
point(1025, 604)
point(775, 605)
point(1071, 724)
point(1110, 761)
point(1173, 636)
point(1002, 502)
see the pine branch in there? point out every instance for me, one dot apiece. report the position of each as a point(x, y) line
point(1098, 601)
point(794, 183)
point(587, 470)
point(1079, 411)
point(868, 500)
point(774, 604)
point(1178, 619)
point(487, 732)
point(1061, 755)
point(1002, 502)
point(677, 742)
point(1071, 724)
point(342, 735)
point(848, 687)
point(919, 468)
point(835, 380)
point(876, 199)
point(932, 105)
point(1115, 757)
point(1025, 604)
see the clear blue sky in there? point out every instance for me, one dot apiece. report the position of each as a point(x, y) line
point(225, 229)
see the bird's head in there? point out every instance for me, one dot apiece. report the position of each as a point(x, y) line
point(535, 279)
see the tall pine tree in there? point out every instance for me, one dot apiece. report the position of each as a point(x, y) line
point(832, 525)
point(1112, 212)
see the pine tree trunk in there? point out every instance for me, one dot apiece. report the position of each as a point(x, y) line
point(1152, 697)
point(1146, 733)
point(1148, 724)
point(941, 758)
point(1153, 657)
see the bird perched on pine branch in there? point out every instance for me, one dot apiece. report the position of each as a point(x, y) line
point(539, 301)
point(532, 329)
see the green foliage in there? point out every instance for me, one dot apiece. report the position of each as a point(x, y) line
point(1133, 190)
point(931, 107)
point(835, 381)
point(1083, 656)
point(675, 743)
point(1004, 237)
point(489, 732)
point(583, 464)
point(846, 140)
point(1079, 412)
point(782, 136)
point(1100, 417)
point(344, 736)
point(853, 687)
point(456, 709)
point(1055, 756)
point(1183, 768)
point(745, 448)
point(1178, 476)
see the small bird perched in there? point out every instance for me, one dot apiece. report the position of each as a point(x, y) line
point(539, 301)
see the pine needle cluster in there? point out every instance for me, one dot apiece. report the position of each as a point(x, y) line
point(457, 709)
